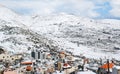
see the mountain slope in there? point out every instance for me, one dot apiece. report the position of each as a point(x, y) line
point(79, 30)
point(16, 36)
point(101, 36)
point(17, 39)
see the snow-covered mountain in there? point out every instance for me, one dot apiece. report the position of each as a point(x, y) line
point(100, 33)
point(91, 35)
point(82, 36)
point(15, 35)
point(14, 18)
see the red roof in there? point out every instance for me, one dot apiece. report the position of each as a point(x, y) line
point(28, 68)
point(65, 64)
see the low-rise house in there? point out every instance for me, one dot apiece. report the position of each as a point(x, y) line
point(10, 58)
point(54, 56)
point(48, 56)
point(10, 72)
point(62, 55)
point(70, 59)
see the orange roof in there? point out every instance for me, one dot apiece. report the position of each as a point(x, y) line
point(105, 66)
point(26, 63)
point(62, 52)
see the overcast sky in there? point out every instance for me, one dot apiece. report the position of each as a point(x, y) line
point(86, 8)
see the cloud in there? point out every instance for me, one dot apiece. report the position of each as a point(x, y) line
point(115, 4)
point(86, 8)
point(37, 6)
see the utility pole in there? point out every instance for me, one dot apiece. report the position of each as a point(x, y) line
point(108, 66)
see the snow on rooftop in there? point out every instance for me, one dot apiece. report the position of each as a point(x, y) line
point(86, 72)
point(117, 67)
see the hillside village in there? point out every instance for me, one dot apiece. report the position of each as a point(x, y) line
point(40, 61)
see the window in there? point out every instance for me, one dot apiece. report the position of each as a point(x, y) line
point(12, 58)
point(3, 57)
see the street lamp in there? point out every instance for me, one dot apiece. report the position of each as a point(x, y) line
point(108, 66)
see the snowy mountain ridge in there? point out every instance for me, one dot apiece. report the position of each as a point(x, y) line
point(61, 30)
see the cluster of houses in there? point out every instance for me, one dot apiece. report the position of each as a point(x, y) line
point(51, 62)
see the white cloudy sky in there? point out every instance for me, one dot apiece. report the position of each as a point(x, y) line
point(87, 8)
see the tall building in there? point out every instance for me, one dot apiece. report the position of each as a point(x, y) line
point(38, 55)
point(33, 54)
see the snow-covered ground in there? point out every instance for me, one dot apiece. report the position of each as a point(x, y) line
point(87, 72)
point(96, 38)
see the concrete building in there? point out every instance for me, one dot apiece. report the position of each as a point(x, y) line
point(116, 70)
